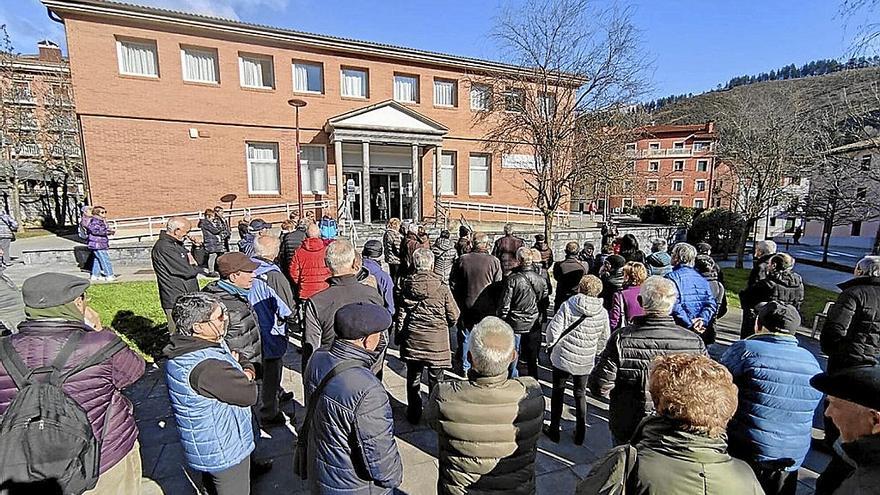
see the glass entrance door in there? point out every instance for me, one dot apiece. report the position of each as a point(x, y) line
point(353, 196)
point(407, 189)
point(381, 198)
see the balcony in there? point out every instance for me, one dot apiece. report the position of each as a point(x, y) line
point(27, 150)
point(21, 96)
point(59, 101)
point(685, 151)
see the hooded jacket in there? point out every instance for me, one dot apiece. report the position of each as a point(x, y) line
point(174, 274)
point(273, 304)
point(576, 352)
point(308, 271)
point(782, 286)
point(243, 333)
point(523, 289)
point(212, 232)
point(851, 335)
point(611, 283)
point(428, 310)
point(659, 263)
point(568, 274)
point(444, 257)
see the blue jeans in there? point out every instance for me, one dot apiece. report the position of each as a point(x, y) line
point(517, 339)
point(101, 264)
point(464, 341)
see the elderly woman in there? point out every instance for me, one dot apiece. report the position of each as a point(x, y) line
point(683, 448)
point(575, 336)
point(391, 246)
point(659, 262)
point(625, 304)
point(428, 310)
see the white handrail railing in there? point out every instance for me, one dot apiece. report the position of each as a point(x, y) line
point(507, 210)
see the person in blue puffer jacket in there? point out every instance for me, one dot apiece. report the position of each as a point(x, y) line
point(211, 394)
point(772, 427)
point(696, 305)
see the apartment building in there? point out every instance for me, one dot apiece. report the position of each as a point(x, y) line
point(179, 109)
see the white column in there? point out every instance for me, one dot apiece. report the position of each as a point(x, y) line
point(366, 200)
point(416, 184)
point(435, 174)
point(340, 183)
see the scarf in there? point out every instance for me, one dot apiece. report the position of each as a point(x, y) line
point(233, 289)
point(67, 312)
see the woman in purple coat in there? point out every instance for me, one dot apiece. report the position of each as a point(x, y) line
point(625, 305)
point(99, 243)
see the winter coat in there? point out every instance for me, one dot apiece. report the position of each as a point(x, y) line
point(444, 257)
point(487, 431)
point(308, 271)
point(383, 279)
point(98, 389)
point(568, 274)
point(329, 228)
point(8, 226)
point(391, 243)
point(523, 289)
point(505, 250)
point(634, 255)
point(851, 334)
point(352, 448)
point(624, 307)
point(476, 284)
point(671, 461)
point(611, 284)
point(463, 245)
point(760, 269)
point(11, 305)
point(99, 234)
point(411, 243)
point(774, 416)
point(575, 352)
point(546, 253)
point(695, 298)
point(717, 288)
point(659, 263)
point(290, 242)
point(622, 368)
point(243, 333)
point(865, 452)
point(782, 286)
point(212, 232)
point(174, 274)
point(274, 305)
point(428, 311)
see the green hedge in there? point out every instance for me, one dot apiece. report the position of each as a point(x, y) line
point(680, 216)
point(719, 227)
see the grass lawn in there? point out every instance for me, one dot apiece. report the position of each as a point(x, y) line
point(814, 297)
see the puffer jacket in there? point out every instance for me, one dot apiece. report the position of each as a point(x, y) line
point(576, 352)
point(851, 335)
point(622, 368)
point(546, 253)
point(212, 230)
point(273, 304)
point(659, 263)
point(351, 441)
point(308, 272)
point(785, 286)
point(391, 246)
point(444, 257)
point(612, 282)
point(695, 298)
point(290, 242)
point(523, 289)
point(865, 452)
point(97, 389)
point(410, 244)
point(774, 416)
point(243, 333)
point(625, 307)
point(568, 274)
point(505, 250)
point(487, 430)
point(428, 310)
point(99, 234)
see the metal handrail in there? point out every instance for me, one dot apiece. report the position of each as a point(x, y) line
point(496, 208)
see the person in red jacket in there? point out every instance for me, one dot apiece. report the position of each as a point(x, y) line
point(308, 272)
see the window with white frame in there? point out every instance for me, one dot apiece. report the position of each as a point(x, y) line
point(255, 71)
point(479, 175)
point(701, 146)
point(308, 77)
point(653, 146)
point(652, 185)
point(313, 169)
point(700, 186)
point(627, 203)
point(514, 100)
point(678, 165)
point(200, 65)
point(675, 202)
point(445, 93)
point(481, 97)
point(263, 173)
point(138, 58)
point(447, 172)
point(702, 165)
point(547, 102)
point(678, 145)
point(650, 201)
point(653, 166)
point(406, 88)
point(677, 185)
point(354, 83)
point(699, 203)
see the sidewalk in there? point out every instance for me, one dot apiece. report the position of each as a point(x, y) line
point(812, 275)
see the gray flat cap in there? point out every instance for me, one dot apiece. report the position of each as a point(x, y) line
point(47, 290)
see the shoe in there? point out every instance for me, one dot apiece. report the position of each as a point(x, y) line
point(259, 468)
point(579, 433)
point(278, 420)
point(551, 433)
point(97, 279)
point(414, 416)
point(111, 278)
point(285, 397)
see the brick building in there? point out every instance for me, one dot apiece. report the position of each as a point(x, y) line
point(179, 109)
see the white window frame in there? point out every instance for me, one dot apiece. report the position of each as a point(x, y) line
point(654, 145)
point(675, 167)
point(453, 165)
point(308, 63)
point(308, 166)
point(680, 185)
point(678, 145)
point(697, 185)
point(205, 51)
point(414, 78)
point(702, 146)
point(705, 162)
point(488, 169)
point(483, 94)
point(250, 161)
point(454, 84)
point(624, 201)
point(508, 94)
point(675, 202)
point(656, 184)
point(261, 59)
point(143, 43)
point(701, 200)
point(650, 201)
point(365, 84)
point(652, 167)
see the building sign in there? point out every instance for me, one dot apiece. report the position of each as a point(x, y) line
point(526, 162)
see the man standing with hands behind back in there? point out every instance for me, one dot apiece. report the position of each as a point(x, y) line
point(176, 269)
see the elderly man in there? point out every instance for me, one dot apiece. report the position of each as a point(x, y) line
point(308, 272)
point(62, 331)
point(854, 406)
point(176, 269)
point(487, 426)
point(348, 424)
point(273, 303)
point(505, 249)
point(343, 289)
point(372, 256)
point(764, 250)
point(568, 274)
point(682, 448)
point(622, 368)
point(523, 289)
point(696, 305)
point(851, 335)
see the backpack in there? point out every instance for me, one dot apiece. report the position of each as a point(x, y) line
point(44, 434)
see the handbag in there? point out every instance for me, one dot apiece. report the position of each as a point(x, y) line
point(301, 454)
point(566, 332)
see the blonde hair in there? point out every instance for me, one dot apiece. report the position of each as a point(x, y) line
point(635, 273)
point(393, 223)
point(590, 285)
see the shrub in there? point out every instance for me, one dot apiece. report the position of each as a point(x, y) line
point(720, 227)
point(679, 216)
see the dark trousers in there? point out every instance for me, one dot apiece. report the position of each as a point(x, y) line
point(394, 272)
point(413, 385)
point(529, 349)
point(776, 481)
point(748, 324)
point(231, 481)
point(560, 378)
point(271, 390)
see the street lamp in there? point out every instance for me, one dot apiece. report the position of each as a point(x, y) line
point(297, 104)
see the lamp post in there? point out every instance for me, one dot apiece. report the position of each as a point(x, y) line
point(297, 104)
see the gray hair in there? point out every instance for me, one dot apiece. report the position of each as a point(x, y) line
point(508, 228)
point(524, 255)
point(191, 309)
point(412, 228)
point(481, 240)
point(869, 266)
point(313, 231)
point(267, 247)
point(659, 245)
point(763, 248)
point(423, 259)
point(683, 254)
point(491, 347)
point(658, 295)
point(175, 223)
point(339, 256)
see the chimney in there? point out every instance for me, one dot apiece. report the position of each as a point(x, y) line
point(49, 51)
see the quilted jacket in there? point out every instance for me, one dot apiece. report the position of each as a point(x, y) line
point(695, 298)
point(576, 351)
point(851, 334)
point(308, 271)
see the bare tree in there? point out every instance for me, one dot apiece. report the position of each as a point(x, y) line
point(556, 120)
point(866, 14)
point(18, 123)
point(60, 157)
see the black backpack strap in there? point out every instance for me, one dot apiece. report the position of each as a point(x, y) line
point(12, 362)
point(313, 399)
point(567, 331)
point(99, 357)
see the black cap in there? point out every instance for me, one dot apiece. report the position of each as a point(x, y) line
point(859, 384)
point(358, 320)
point(372, 249)
point(778, 317)
point(48, 290)
point(616, 261)
point(259, 224)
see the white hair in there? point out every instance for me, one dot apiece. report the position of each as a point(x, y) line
point(339, 256)
point(267, 247)
point(175, 223)
point(683, 254)
point(869, 266)
point(524, 255)
point(763, 248)
point(491, 347)
point(412, 229)
point(481, 240)
point(658, 295)
point(423, 259)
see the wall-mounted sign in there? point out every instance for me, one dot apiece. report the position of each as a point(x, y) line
point(518, 161)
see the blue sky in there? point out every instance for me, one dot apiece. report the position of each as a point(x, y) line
point(694, 44)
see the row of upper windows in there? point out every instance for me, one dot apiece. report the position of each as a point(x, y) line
point(678, 185)
point(201, 65)
point(679, 166)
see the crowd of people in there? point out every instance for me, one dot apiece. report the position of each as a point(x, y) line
point(469, 318)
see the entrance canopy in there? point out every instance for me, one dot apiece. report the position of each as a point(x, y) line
point(386, 122)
